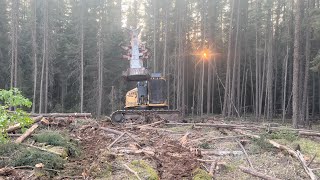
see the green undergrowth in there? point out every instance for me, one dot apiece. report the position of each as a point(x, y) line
point(20, 155)
point(144, 170)
point(102, 170)
point(205, 145)
point(7, 152)
point(263, 144)
point(31, 157)
point(283, 134)
point(200, 174)
point(55, 138)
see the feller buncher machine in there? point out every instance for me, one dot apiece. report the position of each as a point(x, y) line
point(149, 97)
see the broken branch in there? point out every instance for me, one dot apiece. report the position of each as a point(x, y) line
point(116, 140)
point(213, 168)
point(132, 171)
point(257, 174)
point(245, 153)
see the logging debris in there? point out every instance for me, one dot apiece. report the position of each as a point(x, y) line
point(173, 151)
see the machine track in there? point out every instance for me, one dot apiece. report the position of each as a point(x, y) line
point(148, 116)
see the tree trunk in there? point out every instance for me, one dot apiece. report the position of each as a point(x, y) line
point(236, 59)
point(46, 36)
point(226, 101)
point(258, 64)
point(100, 63)
point(14, 42)
point(269, 64)
point(44, 59)
point(296, 62)
point(82, 53)
point(306, 75)
point(34, 52)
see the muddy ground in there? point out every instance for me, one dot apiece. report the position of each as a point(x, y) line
point(165, 151)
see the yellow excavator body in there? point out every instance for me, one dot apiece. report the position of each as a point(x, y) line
point(132, 98)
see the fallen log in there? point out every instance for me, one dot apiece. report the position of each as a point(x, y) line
point(221, 153)
point(257, 174)
point(27, 133)
point(226, 126)
point(156, 129)
point(209, 139)
point(18, 126)
point(111, 130)
point(139, 151)
point(306, 133)
point(78, 115)
point(296, 154)
point(152, 124)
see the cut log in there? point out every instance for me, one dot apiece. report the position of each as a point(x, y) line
point(226, 126)
point(140, 151)
point(156, 129)
point(78, 115)
point(27, 133)
point(151, 124)
point(257, 174)
point(209, 139)
point(221, 153)
point(306, 133)
point(111, 130)
point(18, 126)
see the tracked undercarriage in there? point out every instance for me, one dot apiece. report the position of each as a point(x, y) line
point(144, 116)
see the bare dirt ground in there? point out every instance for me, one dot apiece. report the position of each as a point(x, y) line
point(167, 151)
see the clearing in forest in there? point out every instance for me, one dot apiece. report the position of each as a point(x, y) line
point(84, 148)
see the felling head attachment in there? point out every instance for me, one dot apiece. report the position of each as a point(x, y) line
point(136, 53)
